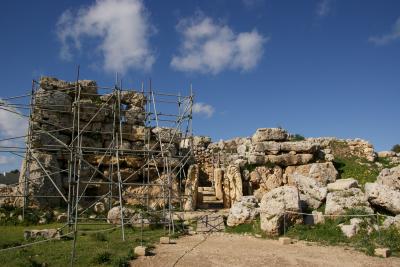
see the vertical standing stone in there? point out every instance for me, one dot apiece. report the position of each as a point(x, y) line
point(191, 188)
point(218, 179)
point(233, 188)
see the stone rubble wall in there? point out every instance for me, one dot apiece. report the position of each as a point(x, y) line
point(350, 147)
point(265, 161)
point(54, 126)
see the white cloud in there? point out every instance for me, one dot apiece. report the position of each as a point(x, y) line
point(4, 160)
point(324, 7)
point(11, 124)
point(209, 47)
point(121, 27)
point(387, 38)
point(202, 108)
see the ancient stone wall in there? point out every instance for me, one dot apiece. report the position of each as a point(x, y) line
point(107, 122)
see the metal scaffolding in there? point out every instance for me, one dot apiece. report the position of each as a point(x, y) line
point(157, 166)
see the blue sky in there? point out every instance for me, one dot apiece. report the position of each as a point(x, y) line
point(314, 67)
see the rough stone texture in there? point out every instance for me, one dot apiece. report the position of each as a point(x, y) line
point(44, 179)
point(53, 111)
point(140, 251)
point(62, 218)
point(99, 207)
point(43, 233)
point(157, 198)
point(276, 205)
point(290, 159)
point(165, 134)
point(390, 177)
point(243, 211)
point(133, 98)
point(218, 183)
point(270, 134)
point(114, 214)
point(391, 221)
point(382, 252)
point(338, 202)
point(4, 191)
point(299, 147)
point(386, 154)
point(264, 179)
point(322, 172)
point(383, 196)
point(233, 190)
point(350, 230)
point(343, 184)
point(312, 193)
point(191, 186)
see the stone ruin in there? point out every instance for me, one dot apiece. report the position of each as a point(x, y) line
point(268, 174)
point(112, 121)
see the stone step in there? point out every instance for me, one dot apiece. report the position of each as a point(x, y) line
point(215, 204)
point(209, 198)
point(207, 193)
point(206, 189)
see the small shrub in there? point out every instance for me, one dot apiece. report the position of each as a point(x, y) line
point(396, 148)
point(327, 233)
point(102, 257)
point(249, 228)
point(99, 237)
point(297, 137)
point(124, 261)
point(357, 168)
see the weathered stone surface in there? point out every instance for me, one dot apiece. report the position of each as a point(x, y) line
point(289, 159)
point(201, 141)
point(6, 190)
point(167, 135)
point(62, 217)
point(299, 147)
point(386, 154)
point(243, 211)
point(322, 172)
point(275, 209)
point(393, 221)
point(382, 252)
point(383, 196)
point(191, 188)
point(133, 98)
point(233, 188)
point(269, 147)
point(390, 177)
point(114, 215)
point(312, 193)
point(343, 184)
point(99, 207)
point(350, 230)
point(256, 159)
point(140, 251)
point(134, 115)
point(270, 134)
point(44, 179)
point(338, 202)
point(92, 111)
point(58, 101)
point(43, 233)
point(218, 182)
point(156, 196)
point(264, 179)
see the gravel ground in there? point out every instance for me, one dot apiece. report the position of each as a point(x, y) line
point(221, 249)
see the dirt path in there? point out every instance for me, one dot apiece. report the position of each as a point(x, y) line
point(236, 250)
